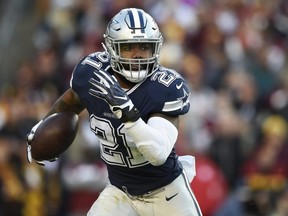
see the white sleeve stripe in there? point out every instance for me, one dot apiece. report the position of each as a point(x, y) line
point(174, 105)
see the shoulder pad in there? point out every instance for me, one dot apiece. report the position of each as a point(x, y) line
point(171, 90)
point(87, 65)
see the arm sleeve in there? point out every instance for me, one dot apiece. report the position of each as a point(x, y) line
point(155, 140)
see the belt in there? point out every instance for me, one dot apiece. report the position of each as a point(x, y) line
point(142, 196)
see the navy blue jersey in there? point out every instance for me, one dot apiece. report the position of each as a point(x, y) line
point(165, 91)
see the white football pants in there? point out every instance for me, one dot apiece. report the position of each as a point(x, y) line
point(175, 199)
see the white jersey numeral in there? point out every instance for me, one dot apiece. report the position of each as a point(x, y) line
point(101, 56)
point(116, 147)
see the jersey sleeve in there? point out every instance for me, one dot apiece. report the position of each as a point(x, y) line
point(170, 93)
point(85, 69)
point(177, 101)
point(79, 76)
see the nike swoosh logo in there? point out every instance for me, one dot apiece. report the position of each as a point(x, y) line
point(169, 198)
point(179, 86)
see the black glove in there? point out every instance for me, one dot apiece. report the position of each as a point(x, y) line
point(29, 139)
point(106, 87)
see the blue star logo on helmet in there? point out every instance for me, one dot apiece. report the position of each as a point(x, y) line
point(115, 25)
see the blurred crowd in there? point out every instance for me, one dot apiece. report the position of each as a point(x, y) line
point(234, 53)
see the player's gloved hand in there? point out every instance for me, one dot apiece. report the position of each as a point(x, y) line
point(29, 138)
point(106, 87)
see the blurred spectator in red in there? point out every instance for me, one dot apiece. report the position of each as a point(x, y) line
point(264, 174)
point(209, 185)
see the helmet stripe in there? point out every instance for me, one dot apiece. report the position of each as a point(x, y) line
point(141, 18)
point(131, 17)
point(136, 20)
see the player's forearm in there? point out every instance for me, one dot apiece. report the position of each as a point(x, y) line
point(68, 102)
point(154, 140)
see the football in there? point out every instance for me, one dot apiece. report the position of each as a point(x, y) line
point(54, 135)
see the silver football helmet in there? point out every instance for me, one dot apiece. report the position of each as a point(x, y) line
point(133, 26)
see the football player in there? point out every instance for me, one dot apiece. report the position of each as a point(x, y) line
point(134, 105)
